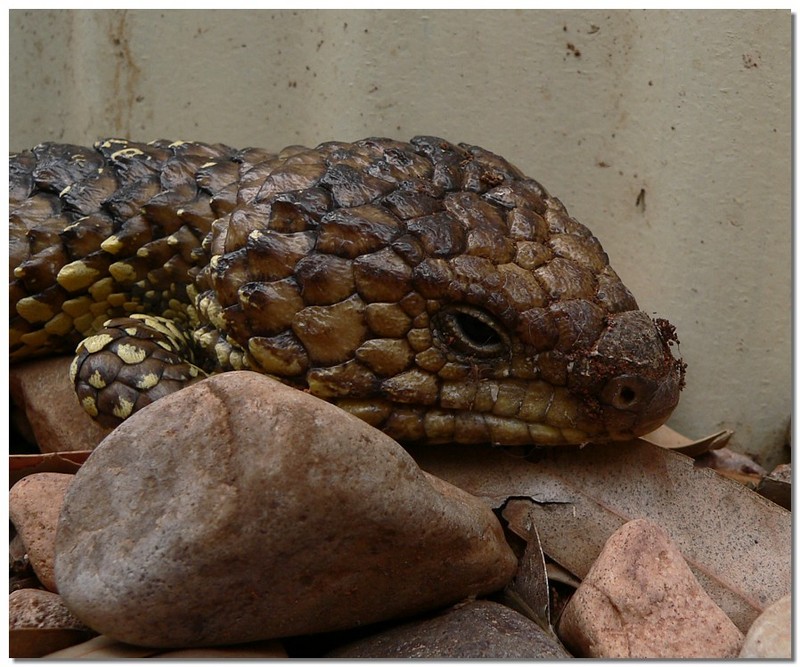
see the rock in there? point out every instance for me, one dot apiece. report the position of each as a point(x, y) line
point(240, 509)
point(21, 573)
point(39, 624)
point(641, 600)
point(18, 555)
point(480, 629)
point(105, 648)
point(43, 391)
point(33, 505)
point(770, 636)
point(777, 486)
point(257, 650)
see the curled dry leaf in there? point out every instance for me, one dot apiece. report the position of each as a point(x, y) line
point(668, 438)
point(563, 576)
point(528, 591)
point(738, 544)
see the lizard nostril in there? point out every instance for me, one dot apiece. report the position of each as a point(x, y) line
point(626, 396)
point(626, 392)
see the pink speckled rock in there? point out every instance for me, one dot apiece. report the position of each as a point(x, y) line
point(641, 600)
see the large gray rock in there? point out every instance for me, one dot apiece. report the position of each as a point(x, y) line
point(240, 510)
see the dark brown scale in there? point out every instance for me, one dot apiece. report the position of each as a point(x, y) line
point(252, 180)
point(197, 214)
point(324, 279)
point(240, 224)
point(86, 234)
point(382, 276)
point(353, 232)
point(38, 212)
point(185, 240)
point(351, 188)
point(128, 200)
point(441, 235)
point(313, 202)
point(268, 309)
point(429, 288)
point(157, 252)
point(216, 176)
point(274, 256)
point(293, 175)
point(20, 177)
point(40, 271)
point(286, 217)
point(86, 197)
point(409, 248)
point(59, 166)
point(134, 232)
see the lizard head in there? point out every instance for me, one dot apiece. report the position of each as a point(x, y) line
point(439, 294)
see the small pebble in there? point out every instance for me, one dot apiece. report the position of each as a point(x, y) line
point(240, 509)
point(641, 600)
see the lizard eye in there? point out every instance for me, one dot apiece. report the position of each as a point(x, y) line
point(472, 332)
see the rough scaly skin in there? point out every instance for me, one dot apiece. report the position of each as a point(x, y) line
point(431, 289)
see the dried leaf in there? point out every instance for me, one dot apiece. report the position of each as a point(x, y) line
point(563, 576)
point(738, 544)
point(528, 592)
point(665, 437)
point(22, 465)
point(518, 517)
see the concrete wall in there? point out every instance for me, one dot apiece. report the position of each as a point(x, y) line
point(667, 132)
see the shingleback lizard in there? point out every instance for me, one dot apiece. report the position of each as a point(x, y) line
point(429, 288)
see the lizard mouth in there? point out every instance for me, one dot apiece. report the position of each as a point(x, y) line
point(634, 405)
point(408, 424)
point(516, 412)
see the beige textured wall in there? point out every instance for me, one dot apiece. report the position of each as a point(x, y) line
point(692, 109)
